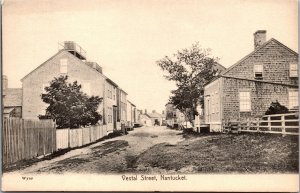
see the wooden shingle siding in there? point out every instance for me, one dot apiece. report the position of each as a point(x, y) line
point(262, 94)
point(275, 59)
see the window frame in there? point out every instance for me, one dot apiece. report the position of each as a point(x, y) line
point(245, 102)
point(292, 71)
point(292, 103)
point(258, 72)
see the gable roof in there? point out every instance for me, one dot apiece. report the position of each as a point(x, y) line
point(257, 49)
point(154, 115)
point(42, 64)
point(12, 97)
point(60, 51)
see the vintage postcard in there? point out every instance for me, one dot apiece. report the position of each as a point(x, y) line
point(150, 95)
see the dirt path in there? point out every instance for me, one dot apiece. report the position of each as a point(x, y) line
point(117, 155)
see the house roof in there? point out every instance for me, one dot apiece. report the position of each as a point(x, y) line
point(256, 50)
point(111, 82)
point(155, 115)
point(249, 55)
point(42, 64)
point(60, 51)
point(12, 97)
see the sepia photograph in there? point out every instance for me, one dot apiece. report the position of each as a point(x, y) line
point(150, 95)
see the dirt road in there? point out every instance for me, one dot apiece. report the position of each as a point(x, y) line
point(161, 150)
point(117, 155)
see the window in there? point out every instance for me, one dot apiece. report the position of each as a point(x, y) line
point(86, 87)
point(63, 66)
point(245, 101)
point(293, 99)
point(258, 71)
point(293, 70)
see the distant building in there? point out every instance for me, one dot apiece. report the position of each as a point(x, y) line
point(246, 89)
point(12, 100)
point(173, 115)
point(156, 118)
point(145, 120)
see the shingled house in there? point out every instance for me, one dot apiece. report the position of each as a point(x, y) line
point(247, 88)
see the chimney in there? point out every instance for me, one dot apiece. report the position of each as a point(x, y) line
point(260, 37)
point(145, 111)
point(163, 112)
point(5, 82)
point(153, 111)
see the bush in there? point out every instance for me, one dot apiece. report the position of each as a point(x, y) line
point(276, 108)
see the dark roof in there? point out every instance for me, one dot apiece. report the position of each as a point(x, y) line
point(12, 97)
point(257, 49)
point(261, 81)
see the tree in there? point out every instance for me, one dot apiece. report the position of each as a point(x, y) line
point(69, 106)
point(276, 108)
point(190, 69)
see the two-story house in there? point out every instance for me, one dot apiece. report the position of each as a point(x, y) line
point(246, 89)
point(110, 105)
point(70, 60)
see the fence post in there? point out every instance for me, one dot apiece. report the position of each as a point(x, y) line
point(283, 125)
point(257, 125)
point(269, 123)
point(69, 138)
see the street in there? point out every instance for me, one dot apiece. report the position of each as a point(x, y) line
point(158, 149)
point(117, 155)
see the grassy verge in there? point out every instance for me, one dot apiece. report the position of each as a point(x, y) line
point(226, 153)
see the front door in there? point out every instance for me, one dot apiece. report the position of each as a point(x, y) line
point(115, 117)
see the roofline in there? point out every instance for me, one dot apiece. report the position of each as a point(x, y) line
point(42, 64)
point(220, 65)
point(112, 82)
point(261, 81)
point(123, 91)
point(254, 51)
point(131, 103)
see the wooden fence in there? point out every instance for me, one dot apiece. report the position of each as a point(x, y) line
point(70, 138)
point(286, 124)
point(26, 139)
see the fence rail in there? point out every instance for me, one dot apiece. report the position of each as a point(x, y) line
point(287, 124)
point(26, 139)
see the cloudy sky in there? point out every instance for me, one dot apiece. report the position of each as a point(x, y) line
point(127, 37)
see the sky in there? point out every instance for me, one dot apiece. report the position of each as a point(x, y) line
point(127, 37)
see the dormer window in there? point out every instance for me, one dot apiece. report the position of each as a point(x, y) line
point(293, 70)
point(258, 71)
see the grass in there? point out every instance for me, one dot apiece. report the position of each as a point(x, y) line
point(226, 153)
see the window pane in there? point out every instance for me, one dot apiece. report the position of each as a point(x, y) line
point(245, 101)
point(258, 68)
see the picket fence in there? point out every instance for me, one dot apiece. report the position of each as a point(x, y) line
point(71, 138)
point(26, 139)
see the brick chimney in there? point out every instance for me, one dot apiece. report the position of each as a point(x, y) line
point(145, 111)
point(260, 37)
point(5, 82)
